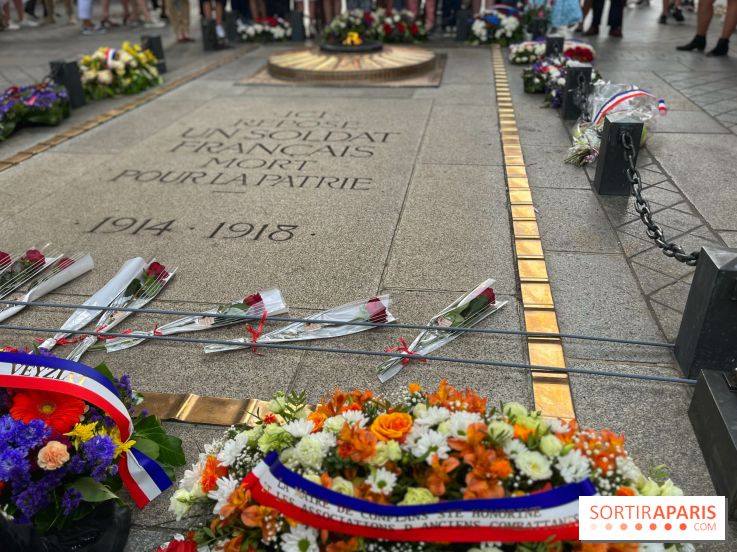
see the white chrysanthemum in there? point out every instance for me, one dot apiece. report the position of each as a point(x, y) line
point(515, 447)
point(431, 442)
point(459, 422)
point(431, 416)
point(191, 479)
point(232, 449)
point(573, 467)
point(300, 539)
point(382, 481)
point(327, 440)
point(557, 426)
point(225, 488)
point(180, 503)
point(310, 452)
point(105, 76)
point(355, 417)
point(334, 424)
point(299, 428)
point(534, 465)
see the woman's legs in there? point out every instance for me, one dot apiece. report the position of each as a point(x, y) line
point(730, 19)
point(705, 13)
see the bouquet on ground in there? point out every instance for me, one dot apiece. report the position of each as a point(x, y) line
point(399, 26)
point(265, 29)
point(556, 85)
point(142, 290)
point(253, 306)
point(62, 271)
point(44, 103)
point(63, 456)
point(531, 51)
point(102, 298)
point(616, 101)
point(533, 10)
point(465, 312)
point(362, 473)
point(111, 72)
point(499, 26)
point(16, 271)
point(537, 76)
point(337, 323)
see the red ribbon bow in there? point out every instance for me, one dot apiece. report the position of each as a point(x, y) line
point(405, 349)
point(255, 334)
point(63, 341)
point(106, 337)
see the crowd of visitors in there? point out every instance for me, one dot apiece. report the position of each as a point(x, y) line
point(569, 14)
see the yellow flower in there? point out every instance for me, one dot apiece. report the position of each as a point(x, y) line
point(120, 446)
point(86, 60)
point(82, 433)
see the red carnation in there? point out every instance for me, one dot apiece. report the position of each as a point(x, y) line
point(387, 29)
point(401, 27)
point(414, 29)
point(64, 262)
point(156, 270)
point(253, 299)
point(34, 256)
point(5, 259)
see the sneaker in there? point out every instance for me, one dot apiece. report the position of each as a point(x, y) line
point(27, 23)
point(220, 32)
point(12, 26)
point(154, 24)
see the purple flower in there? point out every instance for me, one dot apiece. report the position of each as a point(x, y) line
point(99, 452)
point(70, 500)
point(12, 463)
point(31, 435)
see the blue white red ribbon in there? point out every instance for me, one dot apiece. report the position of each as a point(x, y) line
point(618, 99)
point(109, 55)
point(662, 107)
point(141, 475)
point(532, 518)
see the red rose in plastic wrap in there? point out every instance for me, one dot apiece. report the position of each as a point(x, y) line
point(253, 299)
point(157, 270)
point(34, 256)
point(64, 262)
point(4, 259)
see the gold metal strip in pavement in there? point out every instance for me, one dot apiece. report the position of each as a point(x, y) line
point(97, 120)
point(552, 390)
point(196, 409)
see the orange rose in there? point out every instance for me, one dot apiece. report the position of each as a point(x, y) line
point(53, 456)
point(392, 426)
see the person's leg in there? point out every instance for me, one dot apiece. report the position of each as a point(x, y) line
point(616, 14)
point(184, 18)
point(84, 12)
point(50, 13)
point(598, 8)
point(430, 8)
point(174, 19)
point(705, 13)
point(730, 22)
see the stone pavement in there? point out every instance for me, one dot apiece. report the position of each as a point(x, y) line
point(409, 200)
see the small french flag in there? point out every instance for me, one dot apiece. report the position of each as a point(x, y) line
point(662, 108)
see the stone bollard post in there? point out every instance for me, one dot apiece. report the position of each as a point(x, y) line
point(554, 45)
point(578, 83)
point(66, 73)
point(463, 25)
point(153, 43)
point(707, 338)
point(296, 19)
point(611, 166)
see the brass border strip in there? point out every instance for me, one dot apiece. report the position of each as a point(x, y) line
point(196, 409)
point(552, 391)
point(97, 120)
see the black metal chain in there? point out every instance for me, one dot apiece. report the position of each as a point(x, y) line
point(642, 206)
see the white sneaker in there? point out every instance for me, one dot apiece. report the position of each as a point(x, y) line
point(27, 23)
point(154, 24)
point(220, 32)
point(12, 26)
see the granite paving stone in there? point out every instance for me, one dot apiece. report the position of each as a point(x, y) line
point(606, 303)
point(696, 163)
point(468, 239)
point(545, 168)
point(572, 220)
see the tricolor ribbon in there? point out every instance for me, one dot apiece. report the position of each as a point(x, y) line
point(536, 517)
point(143, 477)
point(617, 99)
point(662, 107)
point(406, 350)
point(109, 55)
